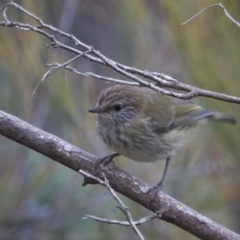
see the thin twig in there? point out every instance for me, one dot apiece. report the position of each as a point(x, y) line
point(214, 5)
point(190, 19)
point(90, 74)
point(228, 15)
point(69, 68)
point(5, 14)
point(55, 68)
point(122, 223)
point(121, 206)
point(113, 80)
point(5, 6)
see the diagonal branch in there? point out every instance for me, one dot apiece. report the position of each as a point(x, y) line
point(74, 158)
point(160, 80)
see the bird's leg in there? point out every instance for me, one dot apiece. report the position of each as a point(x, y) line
point(154, 190)
point(105, 160)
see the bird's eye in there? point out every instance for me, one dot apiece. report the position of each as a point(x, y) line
point(117, 107)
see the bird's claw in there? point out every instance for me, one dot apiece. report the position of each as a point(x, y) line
point(153, 191)
point(105, 160)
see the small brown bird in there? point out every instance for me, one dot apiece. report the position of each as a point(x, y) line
point(146, 126)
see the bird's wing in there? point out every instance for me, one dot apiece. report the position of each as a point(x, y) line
point(188, 113)
point(166, 113)
point(161, 112)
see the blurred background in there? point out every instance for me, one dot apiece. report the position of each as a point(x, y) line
point(41, 199)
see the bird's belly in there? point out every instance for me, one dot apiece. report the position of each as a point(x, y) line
point(140, 155)
point(151, 150)
point(146, 146)
point(157, 150)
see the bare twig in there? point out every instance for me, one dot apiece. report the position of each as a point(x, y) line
point(113, 80)
point(122, 223)
point(69, 68)
point(90, 74)
point(214, 5)
point(57, 67)
point(160, 80)
point(121, 206)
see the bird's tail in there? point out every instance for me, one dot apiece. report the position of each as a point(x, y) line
point(223, 117)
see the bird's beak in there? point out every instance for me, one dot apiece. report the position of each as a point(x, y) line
point(95, 109)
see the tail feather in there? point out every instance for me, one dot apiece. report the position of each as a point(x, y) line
point(222, 117)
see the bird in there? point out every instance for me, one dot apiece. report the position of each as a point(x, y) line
point(144, 125)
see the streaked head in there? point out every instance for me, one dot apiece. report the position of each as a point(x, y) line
point(118, 103)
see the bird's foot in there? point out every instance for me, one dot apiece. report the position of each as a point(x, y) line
point(105, 160)
point(153, 191)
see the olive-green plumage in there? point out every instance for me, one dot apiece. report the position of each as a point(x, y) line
point(145, 125)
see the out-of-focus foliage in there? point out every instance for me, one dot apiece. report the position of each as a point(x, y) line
point(40, 199)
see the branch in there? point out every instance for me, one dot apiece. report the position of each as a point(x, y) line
point(122, 223)
point(57, 67)
point(214, 5)
point(160, 80)
point(121, 206)
point(74, 158)
point(90, 74)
